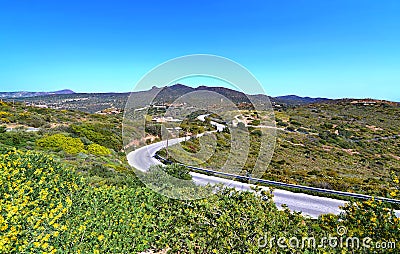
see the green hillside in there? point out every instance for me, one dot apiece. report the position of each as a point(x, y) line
point(337, 145)
point(67, 188)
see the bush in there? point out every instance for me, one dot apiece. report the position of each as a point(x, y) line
point(98, 149)
point(302, 130)
point(45, 207)
point(241, 125)
point(61, 142)
point(290, 128)
point(104, 134)
point(370, 218)
point(177, 171)
point(153, 129)
point(257, 133)
point(31, 211)
point(18, 139)
point(294, 122)
point(283, 124)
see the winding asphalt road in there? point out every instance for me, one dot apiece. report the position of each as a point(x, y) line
point(309, 205)
point(313, 206)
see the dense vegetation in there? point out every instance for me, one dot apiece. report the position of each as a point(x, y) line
point(342, 146)
point(67, 189)
point(46, 207)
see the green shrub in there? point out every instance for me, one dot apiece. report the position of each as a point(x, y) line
point(177, 171)
point(97, 149)
point(257, 133)
point(283, 124)
point(302, 130)
point(104, 134)
point(255, 122)
point(46, 208)
point(61, 142)
point(18, 139)
point(290, 128)
point(294, 122)
point(370, 218)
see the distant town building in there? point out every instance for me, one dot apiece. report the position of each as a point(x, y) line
point(41, 106)
point(165, 119)
point(110, 111)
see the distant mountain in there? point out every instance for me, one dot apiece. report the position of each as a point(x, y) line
point(24, 94)
point(297, 100)
point(94, 102)
point(170, 93)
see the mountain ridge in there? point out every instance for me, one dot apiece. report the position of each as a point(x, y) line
point(181, 89)
point(27, 94)
point(96, 102)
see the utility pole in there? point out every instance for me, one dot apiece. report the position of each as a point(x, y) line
point(166, 148)
point(248, 175)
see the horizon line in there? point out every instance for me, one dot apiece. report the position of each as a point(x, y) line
point(113, 92)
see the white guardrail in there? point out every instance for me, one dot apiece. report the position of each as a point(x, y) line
point(281, 184)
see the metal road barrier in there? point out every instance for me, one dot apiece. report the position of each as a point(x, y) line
point(281, 184)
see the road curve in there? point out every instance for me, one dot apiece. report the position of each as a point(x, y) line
point(310, 205)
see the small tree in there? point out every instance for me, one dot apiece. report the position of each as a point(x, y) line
point(178, 171)
point(241, 125)
point(3, 129)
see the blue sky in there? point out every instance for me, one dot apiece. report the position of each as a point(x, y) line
point(342, 48)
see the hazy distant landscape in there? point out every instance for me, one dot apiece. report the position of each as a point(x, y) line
point(94, 102)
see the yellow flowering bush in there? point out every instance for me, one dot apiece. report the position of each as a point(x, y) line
point(71, 145)
point(5, 114)
point(371, 218)
point(98, 149)
point(61, 142)
point(46, 208)
point(35, 193)
point(395, 192)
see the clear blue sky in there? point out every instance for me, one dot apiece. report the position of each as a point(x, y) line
point(342, 48)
